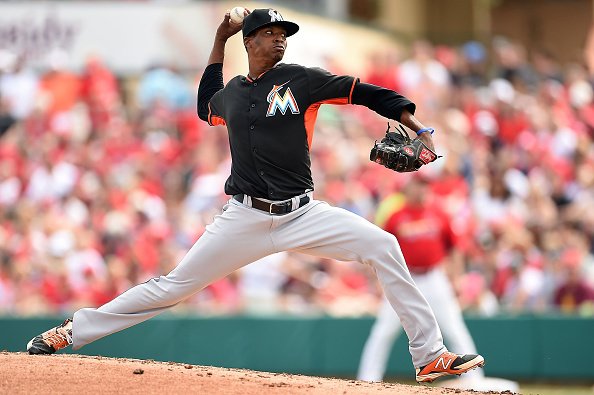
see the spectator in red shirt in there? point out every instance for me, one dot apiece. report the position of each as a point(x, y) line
point(100, 91)
point(574, 291)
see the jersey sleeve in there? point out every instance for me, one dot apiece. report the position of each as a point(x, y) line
point(209, 98)
point(215, 109)
point(383, 101)
point(325, 87)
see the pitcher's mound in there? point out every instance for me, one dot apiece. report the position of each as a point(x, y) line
point(21, 373)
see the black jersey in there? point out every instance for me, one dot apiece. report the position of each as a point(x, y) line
point(271, 120)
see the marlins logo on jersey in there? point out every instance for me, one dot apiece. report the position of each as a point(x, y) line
point(287, 100)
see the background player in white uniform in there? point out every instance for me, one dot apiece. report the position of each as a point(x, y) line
point(270, 115)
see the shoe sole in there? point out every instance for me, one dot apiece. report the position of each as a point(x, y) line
point(32, 349)
point(37, 350)
point(466, 367)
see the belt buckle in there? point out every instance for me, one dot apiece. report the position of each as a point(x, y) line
point(272, 205)
point(280, 204)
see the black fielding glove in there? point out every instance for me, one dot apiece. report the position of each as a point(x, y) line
point(398, 152)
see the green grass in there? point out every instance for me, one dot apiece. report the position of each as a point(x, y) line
point(555, 389)
point(544, 388)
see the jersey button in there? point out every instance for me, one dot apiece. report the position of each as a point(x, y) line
point(253, 105)
point(252, 127)
point(261, 172)
point(255, 84)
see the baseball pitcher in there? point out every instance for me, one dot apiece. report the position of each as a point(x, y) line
point(270, 115)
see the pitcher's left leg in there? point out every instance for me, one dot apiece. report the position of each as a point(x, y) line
point(441, 297)
point(336, 233)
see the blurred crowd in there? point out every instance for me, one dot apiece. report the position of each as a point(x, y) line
point(106, 182)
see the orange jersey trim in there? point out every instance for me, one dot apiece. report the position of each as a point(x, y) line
point(351, 92)
point(247, 77)
point(214, 120)
point(311, 114)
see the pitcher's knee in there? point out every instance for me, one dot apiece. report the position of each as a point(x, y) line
point(384, 249)
point(386, 242)
point(379, 242)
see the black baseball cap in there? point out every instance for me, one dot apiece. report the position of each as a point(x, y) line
point(266, 17)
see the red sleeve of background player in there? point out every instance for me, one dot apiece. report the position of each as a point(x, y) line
point(390, 224)
point(449, 236)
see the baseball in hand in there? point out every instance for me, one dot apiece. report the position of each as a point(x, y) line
point(237, 15)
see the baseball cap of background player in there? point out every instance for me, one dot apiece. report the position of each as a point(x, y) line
point(266, 17)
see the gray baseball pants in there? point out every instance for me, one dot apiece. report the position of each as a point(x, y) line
point(436, 287)
point(241, 235)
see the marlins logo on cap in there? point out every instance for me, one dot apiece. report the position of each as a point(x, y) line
point(261, 17)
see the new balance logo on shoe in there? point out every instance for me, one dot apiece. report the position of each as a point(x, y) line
point(443, 363)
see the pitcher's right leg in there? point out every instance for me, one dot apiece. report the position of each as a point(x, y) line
point(237, 237)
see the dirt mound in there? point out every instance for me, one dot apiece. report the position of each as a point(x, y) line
point(21, 373)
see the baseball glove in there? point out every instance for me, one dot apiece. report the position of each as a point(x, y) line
point(397, 151)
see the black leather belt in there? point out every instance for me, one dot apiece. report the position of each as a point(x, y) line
point(280, 208)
